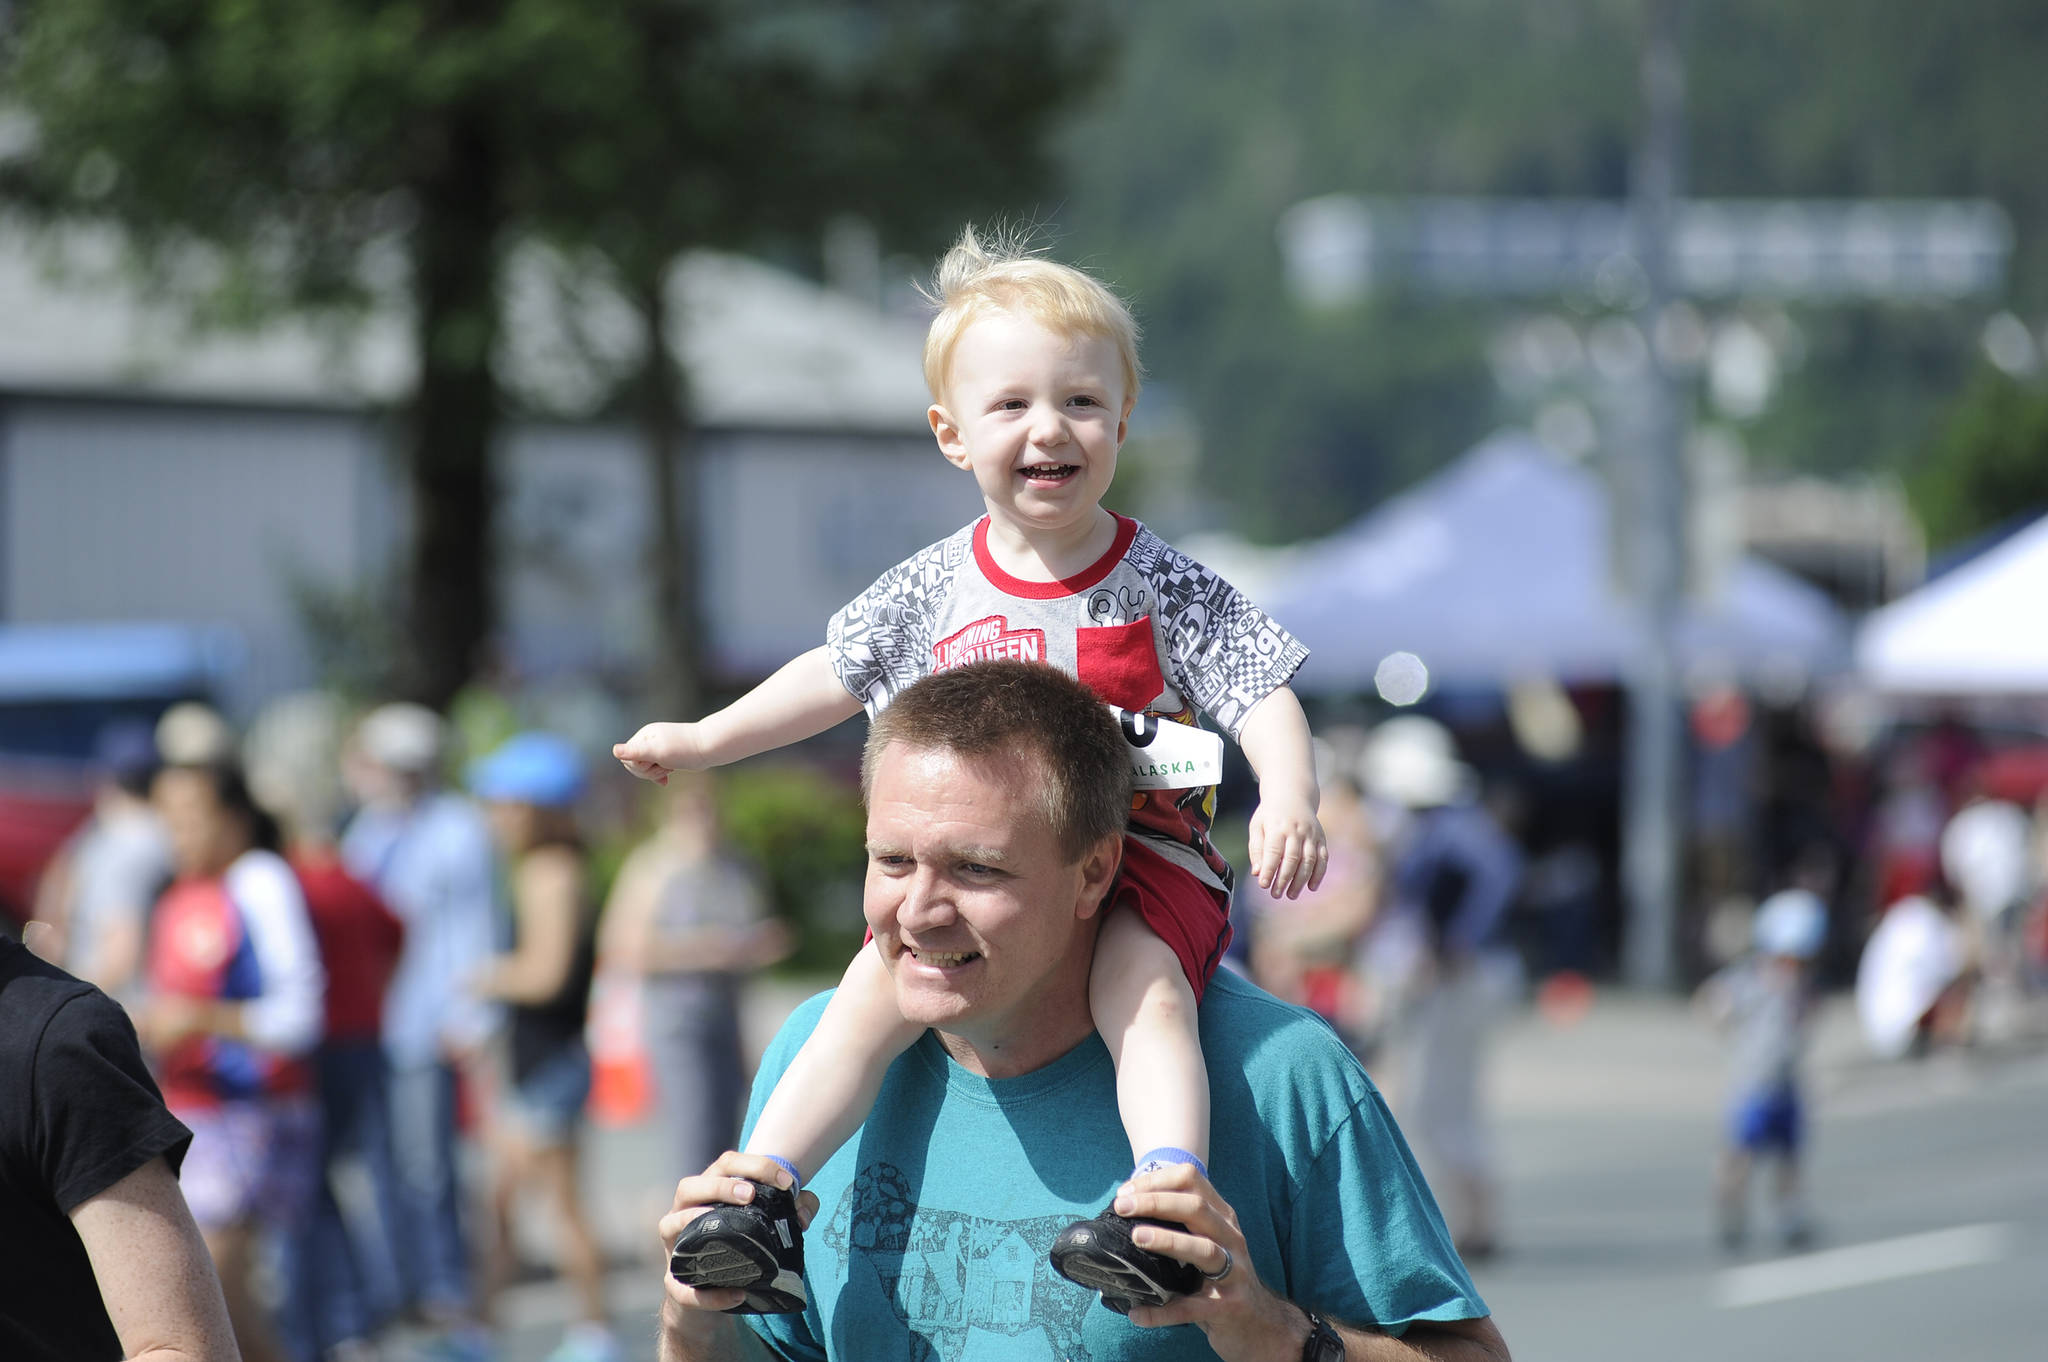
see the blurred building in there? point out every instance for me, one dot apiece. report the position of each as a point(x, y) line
point(148, 473)
point(1855, 539)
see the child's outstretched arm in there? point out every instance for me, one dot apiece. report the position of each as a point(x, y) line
point(1288, 850)
point(801, 699)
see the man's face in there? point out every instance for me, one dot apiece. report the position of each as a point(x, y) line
point(980, 919)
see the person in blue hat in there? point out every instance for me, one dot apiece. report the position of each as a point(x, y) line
point(530, 787)
point(1764, 1002)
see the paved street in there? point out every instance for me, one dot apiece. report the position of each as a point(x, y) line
point(1929, 1183)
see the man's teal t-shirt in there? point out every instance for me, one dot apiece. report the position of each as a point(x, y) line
point(935, 1219)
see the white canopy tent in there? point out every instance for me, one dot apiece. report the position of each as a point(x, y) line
point(1981, 629)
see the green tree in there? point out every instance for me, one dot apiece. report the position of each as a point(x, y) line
point(296, 135)
point(1179, 178)
point(729, 132)
point(1990, 465)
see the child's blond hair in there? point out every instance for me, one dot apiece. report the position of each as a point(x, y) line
point(1003, 274)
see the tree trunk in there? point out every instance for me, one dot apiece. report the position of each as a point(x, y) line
point(455, 411)
point(678, 685)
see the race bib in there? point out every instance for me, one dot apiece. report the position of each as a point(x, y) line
point(1169, 756)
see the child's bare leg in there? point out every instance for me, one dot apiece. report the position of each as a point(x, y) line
point(1793, 1227)
point(1145, 1011)
point(831, 1085)
point(1731, 1196)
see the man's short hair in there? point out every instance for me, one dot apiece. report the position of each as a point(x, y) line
point(1002, 274)
point(987, 709)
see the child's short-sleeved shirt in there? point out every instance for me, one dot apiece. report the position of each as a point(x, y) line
point(1767, 1016)
point(1148, 628)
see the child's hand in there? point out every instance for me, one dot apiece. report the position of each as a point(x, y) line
point(657, 750)
point(1288, 850)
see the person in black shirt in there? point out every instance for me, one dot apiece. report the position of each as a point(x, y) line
point(530, 786)
point(99, 1256)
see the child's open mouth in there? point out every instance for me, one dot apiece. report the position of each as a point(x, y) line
point(1048, 474)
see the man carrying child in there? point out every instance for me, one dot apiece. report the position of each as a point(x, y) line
point(997, 795)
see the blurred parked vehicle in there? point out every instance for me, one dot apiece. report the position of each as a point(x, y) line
point(61, 685)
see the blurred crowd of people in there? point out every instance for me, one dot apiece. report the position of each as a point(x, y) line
point(1403, 947)
point(1959, 951)
point(1417, 941)
point(348, 972)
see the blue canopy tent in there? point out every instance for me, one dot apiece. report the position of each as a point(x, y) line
point(1498, 568)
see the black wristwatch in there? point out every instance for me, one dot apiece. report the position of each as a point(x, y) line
point(1323, 1344)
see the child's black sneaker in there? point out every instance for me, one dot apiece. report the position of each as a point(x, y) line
point(1101, 1255)
point(758, 1246)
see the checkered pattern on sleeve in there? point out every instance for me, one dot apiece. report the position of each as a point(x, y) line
point(1227, 654)
point(881, 641)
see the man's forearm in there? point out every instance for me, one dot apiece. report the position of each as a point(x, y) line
point(1465, 1340)
point(701, 1336)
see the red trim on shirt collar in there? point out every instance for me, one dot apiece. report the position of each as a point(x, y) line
point(1126, 532)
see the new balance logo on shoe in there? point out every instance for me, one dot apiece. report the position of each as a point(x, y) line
point(1101, 1255)
point(756, 1247)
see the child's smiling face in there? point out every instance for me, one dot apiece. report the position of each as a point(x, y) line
point(1037, 417)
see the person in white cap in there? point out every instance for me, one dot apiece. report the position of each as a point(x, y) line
point(191, 733)
point(428, 853)
point(1764, 1002)
point(1454, 875)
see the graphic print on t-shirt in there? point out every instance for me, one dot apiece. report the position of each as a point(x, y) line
point(1214, 646)
point(988, 640)
point(951, 1276)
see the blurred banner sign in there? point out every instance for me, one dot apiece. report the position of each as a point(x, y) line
point(1337, 248)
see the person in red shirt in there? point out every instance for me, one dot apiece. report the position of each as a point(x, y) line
point(232, 1016)
point(338, 1296)
point(340, 1281)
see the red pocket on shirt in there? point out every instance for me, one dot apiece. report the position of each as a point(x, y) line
point(1120, 662)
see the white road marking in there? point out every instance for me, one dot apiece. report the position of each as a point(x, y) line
point(1862, 1264)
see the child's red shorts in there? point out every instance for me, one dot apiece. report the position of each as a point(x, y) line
point(1191, 917)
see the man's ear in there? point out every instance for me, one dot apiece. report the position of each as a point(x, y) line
point(1098, 873)
point(947, 432)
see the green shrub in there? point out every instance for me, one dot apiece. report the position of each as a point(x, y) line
point(806, 832)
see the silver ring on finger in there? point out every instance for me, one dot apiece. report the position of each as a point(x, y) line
point(1220, 1273)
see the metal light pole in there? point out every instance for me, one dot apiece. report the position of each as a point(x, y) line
point(1652, 815)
